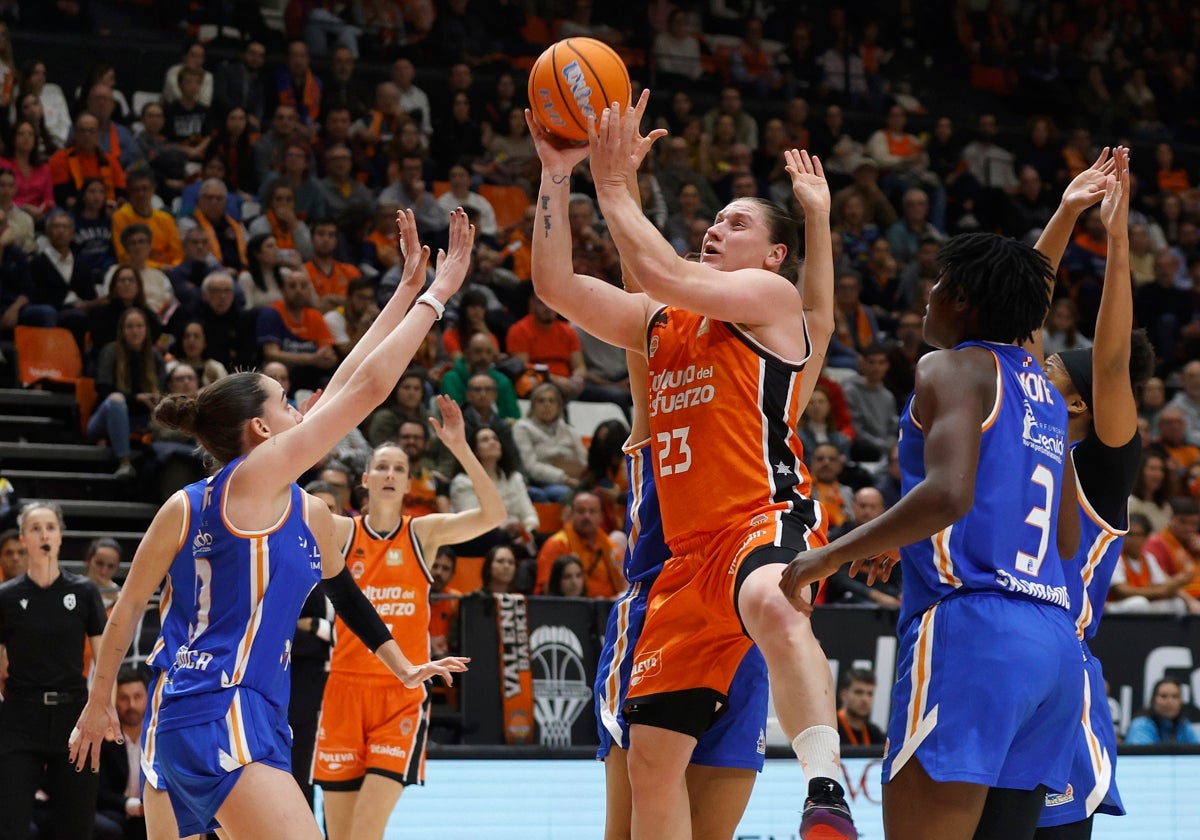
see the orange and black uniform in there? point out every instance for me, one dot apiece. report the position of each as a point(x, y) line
point(371, 723)
point(734, 495)
point(863, 736)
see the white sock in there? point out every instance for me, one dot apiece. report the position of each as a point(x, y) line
point(820, 754)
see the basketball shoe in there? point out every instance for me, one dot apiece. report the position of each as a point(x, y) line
point(826, 815)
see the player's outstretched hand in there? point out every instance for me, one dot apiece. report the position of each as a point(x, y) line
point(807, 568)
point(878, 567)
point(452, 428)
point(97, 722)
point(452, 265)
point(1114, 209)
point(1087, 187)
point(808, 180)
point(310, 403)
point(618, 147)
point(557, 154)
point(444, 668)
point(416, 255)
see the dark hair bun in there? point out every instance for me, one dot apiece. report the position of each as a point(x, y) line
point(178, 411)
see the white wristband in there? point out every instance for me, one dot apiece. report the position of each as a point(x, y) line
point(438, 307)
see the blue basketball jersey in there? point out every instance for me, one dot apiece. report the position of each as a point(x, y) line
point(1006, 542)
point(174, 625)
point(1090, 571)
point(647, 548)
point(238, 609)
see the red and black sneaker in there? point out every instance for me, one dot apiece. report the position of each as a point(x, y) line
point(826, 815)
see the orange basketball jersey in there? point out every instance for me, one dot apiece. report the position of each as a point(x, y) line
point(391, 570)
point(723, 412)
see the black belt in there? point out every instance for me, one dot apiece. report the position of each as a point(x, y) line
point(46, 698)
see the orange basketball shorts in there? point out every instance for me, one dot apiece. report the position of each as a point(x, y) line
point(370, 725)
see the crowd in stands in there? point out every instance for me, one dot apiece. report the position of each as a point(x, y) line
point(245, 217)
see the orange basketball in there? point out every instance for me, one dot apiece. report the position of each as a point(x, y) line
point(573, 79)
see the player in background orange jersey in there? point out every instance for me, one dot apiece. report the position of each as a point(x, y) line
point(373, 733)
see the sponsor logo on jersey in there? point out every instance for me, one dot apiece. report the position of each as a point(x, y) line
point(1056, 595)
point(1053, 799)
point(202, 543)
point(761, 519)
point(24, 603)
point(406, 726)
point(1044, 438)
point(193, 660)
point(395, 557)
point(336, 758)
point(394, 752)
point(674, 390)
point(762, 742)
point(653, 345)
point(357, 569)
point(69, 600)
point(647, 665)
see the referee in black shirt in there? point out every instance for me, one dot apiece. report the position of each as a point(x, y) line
point(45, 616)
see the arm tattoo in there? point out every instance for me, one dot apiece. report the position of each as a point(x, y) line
point(559, 179)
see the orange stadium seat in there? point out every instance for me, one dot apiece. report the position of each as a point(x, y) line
point(468, 575)
point(549, 517)
point(47, 354)
point(536, 30)
point(440, 188)
point(508, 202)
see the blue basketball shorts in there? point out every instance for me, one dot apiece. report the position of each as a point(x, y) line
point(1093, 785)
point(198, 765)
point(738, 737)
point(986, 687)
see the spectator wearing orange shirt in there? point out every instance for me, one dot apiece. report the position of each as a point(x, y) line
point(542, 338)
point(350, 321)
point(836, 498)
point(428, 492)
point(583, 537)
point(1169, 177)
point(380, 248)
point(1176, 548)
point(443, 605)
point(329, 277)
point(1172, 437)
point(166, 248)
point(70, 167)
point(292, 331)
point(751, 66)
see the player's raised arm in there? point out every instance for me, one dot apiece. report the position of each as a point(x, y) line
point(1085, 189)
point(1115, 416)
point(293, 451)
point(812, 191)
point(437, 529)
point(604, 311)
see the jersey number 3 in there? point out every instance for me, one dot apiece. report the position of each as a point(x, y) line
point(674, 454)
point(1038, 517)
